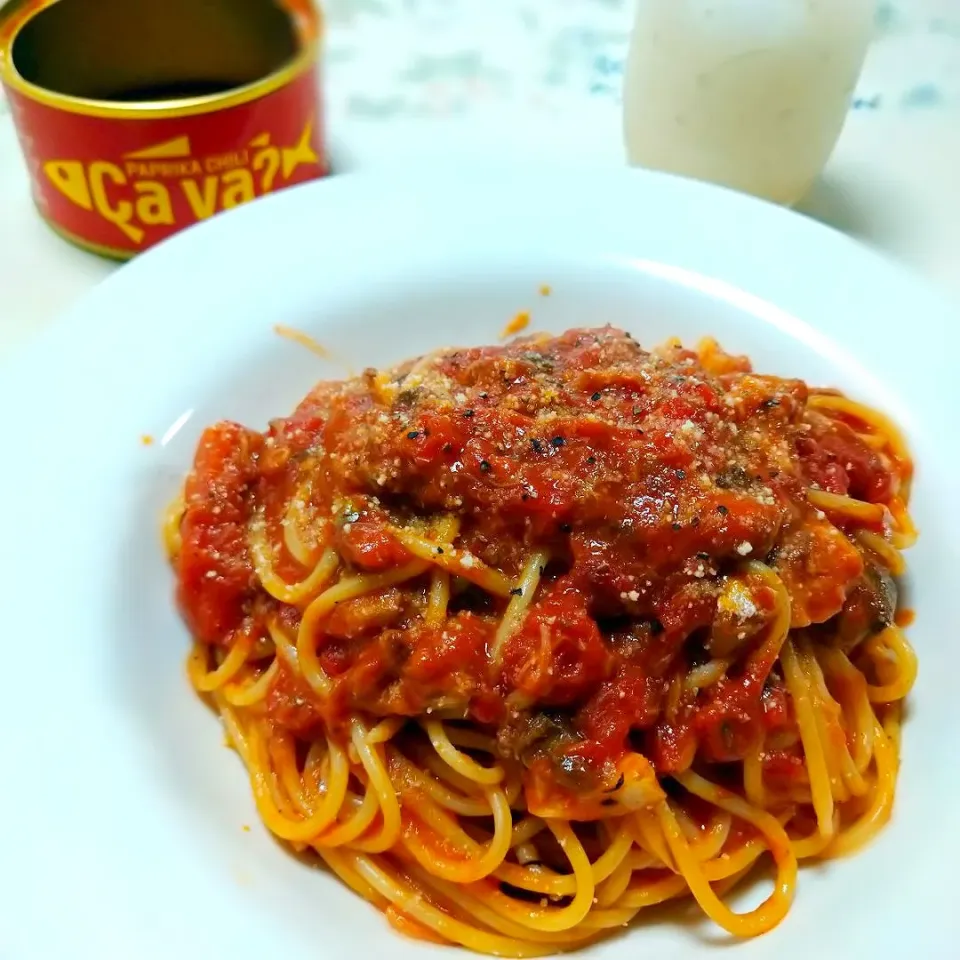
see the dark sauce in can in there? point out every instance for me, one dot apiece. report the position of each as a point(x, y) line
point(180, 90)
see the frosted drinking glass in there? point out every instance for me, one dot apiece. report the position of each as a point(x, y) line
point(752, 94)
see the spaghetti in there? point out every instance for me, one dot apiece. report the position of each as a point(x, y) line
point(523, 640)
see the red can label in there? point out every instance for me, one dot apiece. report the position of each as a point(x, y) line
point(121, 183)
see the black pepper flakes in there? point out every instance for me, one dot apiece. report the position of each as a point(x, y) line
point(413, 434)
point(771, 402)
point(591, 459)
point(485, 466)
point(468, 413)
point(681, 474)
point(596, 396)
point(516, 592)
point(558, 441)
point(733, 477)
point(722, 510)
point(676, 526)
point(537, 445)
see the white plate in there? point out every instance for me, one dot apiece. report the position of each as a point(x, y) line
point(121, 813)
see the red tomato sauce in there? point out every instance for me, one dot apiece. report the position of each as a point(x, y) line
point(651, 482)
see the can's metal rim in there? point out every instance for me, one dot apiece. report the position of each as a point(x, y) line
point(188, 106)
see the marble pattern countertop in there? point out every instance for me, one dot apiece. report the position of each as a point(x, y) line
point(503, 81)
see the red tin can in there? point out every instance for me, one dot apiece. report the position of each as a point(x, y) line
point(141, 118)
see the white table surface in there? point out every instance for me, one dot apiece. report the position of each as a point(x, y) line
point(472, 81)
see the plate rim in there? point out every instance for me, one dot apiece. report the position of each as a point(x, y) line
point(440, 178)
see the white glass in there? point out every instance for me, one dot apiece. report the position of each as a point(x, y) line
point(752, 94)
